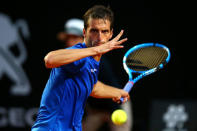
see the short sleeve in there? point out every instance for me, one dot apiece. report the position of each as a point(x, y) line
point(74, 67)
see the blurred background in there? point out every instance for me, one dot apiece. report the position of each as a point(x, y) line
point(164, 101)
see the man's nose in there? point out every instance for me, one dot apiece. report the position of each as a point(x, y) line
point(99, 35)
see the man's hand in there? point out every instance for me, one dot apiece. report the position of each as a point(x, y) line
point(112, 44)
point(122, 94)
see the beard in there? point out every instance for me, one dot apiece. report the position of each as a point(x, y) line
point(97, 43)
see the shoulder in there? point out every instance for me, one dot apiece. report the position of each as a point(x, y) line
point(78, 46)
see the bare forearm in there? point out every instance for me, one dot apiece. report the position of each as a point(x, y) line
point(66, 56)
point(102, 90)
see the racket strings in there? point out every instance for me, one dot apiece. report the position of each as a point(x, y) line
point(146, 58)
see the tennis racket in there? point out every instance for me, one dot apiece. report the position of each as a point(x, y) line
point(142, 60)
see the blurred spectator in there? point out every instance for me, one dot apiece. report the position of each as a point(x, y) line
point(73, 33)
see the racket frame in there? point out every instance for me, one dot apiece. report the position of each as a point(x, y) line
point(142, 74)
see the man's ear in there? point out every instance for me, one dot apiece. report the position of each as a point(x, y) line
point(84, 32)
point(112, 32)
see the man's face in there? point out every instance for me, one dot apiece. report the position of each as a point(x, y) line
point(98, 32)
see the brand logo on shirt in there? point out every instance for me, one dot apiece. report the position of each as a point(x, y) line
point(93, 70)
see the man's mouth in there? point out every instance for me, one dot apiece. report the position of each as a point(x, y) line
point(97, 43)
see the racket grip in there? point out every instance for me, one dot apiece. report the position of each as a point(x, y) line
point(127, 88)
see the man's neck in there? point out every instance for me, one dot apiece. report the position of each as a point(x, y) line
point(97, 57)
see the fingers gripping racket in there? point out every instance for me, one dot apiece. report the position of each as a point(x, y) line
point(144, 59)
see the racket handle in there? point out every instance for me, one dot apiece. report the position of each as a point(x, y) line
point(127, 88)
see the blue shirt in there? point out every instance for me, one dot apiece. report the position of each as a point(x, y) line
point(64, 97)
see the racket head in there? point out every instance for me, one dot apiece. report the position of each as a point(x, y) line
point(145, 58)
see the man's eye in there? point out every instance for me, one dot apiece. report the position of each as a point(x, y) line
point(93, 30)
point(105, 31)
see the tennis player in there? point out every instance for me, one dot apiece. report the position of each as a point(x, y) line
point(74, 75)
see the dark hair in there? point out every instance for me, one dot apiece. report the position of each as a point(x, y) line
point(99, 12)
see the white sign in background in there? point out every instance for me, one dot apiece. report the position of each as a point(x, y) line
point(11, 66)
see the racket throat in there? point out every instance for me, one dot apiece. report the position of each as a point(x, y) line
point(131, 82)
